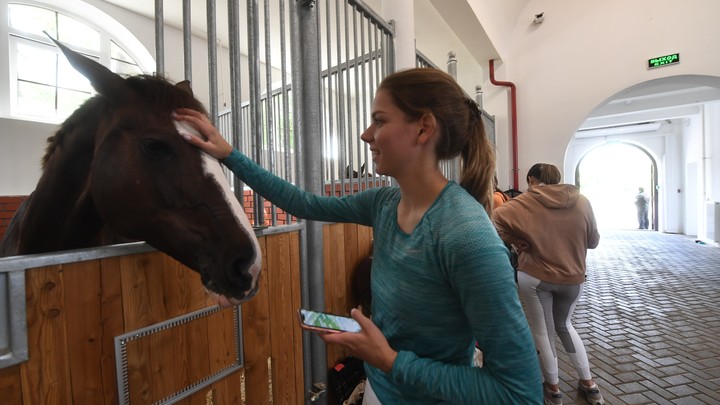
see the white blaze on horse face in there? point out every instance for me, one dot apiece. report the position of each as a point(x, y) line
point(213, 169)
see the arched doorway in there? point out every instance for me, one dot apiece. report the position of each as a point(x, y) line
point(609, 175)
point(675, 120)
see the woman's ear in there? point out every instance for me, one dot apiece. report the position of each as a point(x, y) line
point(428, 126)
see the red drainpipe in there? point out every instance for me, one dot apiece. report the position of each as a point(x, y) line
point(513, 117)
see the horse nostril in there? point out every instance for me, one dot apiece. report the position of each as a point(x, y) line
point(242, 273)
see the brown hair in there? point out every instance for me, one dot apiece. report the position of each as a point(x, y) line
point(545, 173)
point(427, 90)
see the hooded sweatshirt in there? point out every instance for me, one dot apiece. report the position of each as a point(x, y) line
point(558, 224)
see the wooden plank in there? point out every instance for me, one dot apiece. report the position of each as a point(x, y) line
point(141, 294)
point(282, 320)
point(256, 335)
point(111, 324)
point(82, 286)
point(335, 282)
point(295, 305)
point(183, 288)
point(46, 375)
point(352, 259)
point(11, 386)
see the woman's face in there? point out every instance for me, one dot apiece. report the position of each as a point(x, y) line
point(391, 136)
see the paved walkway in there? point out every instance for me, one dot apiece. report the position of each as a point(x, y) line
point(650, 319)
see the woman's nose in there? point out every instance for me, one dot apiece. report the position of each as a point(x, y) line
point(367, 135)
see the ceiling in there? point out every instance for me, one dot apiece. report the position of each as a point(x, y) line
point(656, 100)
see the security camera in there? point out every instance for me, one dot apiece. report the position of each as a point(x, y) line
point(540, 17)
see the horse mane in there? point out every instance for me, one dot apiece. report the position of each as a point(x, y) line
point(156, 92)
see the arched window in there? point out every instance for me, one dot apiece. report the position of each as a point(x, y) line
point(41, 83)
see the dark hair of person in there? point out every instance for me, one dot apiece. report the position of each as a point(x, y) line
point(421, 91)
point(545, 173)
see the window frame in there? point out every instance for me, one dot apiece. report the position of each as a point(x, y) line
point(110, 31)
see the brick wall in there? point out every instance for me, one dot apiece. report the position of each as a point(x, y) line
point(8, 206)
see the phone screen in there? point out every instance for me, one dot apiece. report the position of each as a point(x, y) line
point(321, 320)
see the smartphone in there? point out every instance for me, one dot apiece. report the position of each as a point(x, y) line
point(323, 322)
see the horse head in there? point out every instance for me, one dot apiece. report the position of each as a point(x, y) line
point(145, 182)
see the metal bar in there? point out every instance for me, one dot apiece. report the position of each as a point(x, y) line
point(286, 118)
point(255, 101)
point(328, 104)
point(296, 22)
point(212, 60)
point(341, 133)
point(15, 312)
point(121, 361)
point(311, 136)
point(269, 115)
point(13, 263)
point(372, 16)
point(159, 39)
point(358, 107)
point(235, 89)
point(187, 40)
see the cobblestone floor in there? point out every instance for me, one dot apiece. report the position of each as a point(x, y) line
point(650, 320)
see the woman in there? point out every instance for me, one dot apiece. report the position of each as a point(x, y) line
point(441, 279)
point(552, 225)
point(499, 198)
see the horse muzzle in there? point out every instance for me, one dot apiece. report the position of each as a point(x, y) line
point(226, 302)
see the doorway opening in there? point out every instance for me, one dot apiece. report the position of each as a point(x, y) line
point(610, 176)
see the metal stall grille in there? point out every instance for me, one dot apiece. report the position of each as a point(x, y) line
point(356, 54)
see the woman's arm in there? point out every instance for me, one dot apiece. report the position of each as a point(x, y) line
point(356, 208)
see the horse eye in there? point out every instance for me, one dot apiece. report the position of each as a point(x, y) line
point(156, 149)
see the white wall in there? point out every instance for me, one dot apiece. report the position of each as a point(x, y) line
point(22, 146)
point(693, 152)
point(712, 151)
point(584, 53)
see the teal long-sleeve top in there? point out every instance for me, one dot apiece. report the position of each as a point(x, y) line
point(435, 292)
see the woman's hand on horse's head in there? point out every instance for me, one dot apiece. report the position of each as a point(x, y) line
point(214, 143)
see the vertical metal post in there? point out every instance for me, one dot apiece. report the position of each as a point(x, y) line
point(479, 96)
point(159, 39)
point(235, 88)
point(298, 129)
point(269, 115)
point(187, 40)
point(255, 102)
point(212, 60)
point(308, 137)
point(452, 65)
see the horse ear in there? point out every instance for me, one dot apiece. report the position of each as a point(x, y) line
point(102, 79)
point(185, 86)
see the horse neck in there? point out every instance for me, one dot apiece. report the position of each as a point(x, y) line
point(61, 214)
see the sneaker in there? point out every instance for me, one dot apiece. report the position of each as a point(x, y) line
point(552, 397)
point(592, 394)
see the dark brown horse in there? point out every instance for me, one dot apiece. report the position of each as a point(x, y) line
point(117, 166)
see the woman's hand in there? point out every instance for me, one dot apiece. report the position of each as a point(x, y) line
point(213, 144)
point(369, 344)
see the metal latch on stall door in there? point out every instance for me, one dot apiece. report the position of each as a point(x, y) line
point(317, 390)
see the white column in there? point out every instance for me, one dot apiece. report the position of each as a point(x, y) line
point(403, 14)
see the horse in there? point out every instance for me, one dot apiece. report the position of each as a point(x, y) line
point(118, 169)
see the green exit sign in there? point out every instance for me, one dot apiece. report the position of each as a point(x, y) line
point(666, 60)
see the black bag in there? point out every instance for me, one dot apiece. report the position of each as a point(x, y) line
point(344, 377)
